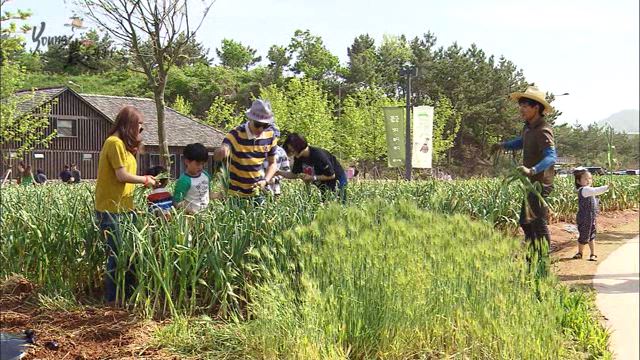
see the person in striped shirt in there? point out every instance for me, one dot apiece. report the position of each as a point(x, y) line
point(246, 147)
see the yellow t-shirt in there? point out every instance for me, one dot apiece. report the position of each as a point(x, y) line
point(111, 194)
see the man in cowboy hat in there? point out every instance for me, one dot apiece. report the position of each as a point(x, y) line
point(539, 156)
point(247, 146)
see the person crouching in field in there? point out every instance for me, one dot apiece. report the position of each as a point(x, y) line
point(192, 188)
point(587, 211)
point(315, 165)
point(66, 176)
point(160, 200)
point(40, 178)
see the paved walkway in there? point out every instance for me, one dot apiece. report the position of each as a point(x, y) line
point(616, 282)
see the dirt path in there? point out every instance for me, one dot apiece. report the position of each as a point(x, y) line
point(613, 230)
point(616, 282)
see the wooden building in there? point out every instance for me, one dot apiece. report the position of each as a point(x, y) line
point(82, 122)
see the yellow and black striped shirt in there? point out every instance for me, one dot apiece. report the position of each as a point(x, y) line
point(246, 158)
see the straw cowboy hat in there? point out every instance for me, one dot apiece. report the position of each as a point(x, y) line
point(533, 93)
point(260, 111)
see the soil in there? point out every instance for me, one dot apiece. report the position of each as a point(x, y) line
point(84, 333)
point(614, 228)
point(91, 332)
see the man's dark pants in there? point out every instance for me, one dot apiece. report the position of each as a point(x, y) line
point(535, 225)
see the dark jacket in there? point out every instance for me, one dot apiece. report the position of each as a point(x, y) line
point(65, 175)
point(536, 138)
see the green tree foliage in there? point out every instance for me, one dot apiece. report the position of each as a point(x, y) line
point(360, 132)
point(182, 106)
point(10, 42)
point(588, 146)
point(191, 52)
point(446, 124)
point(279, 61)
point(223, 114)
point(477, 86)
point(55, 59)
point(26, 129)
point(301, 106)
point(201, 84)
point(312, 59)
point(166, 25)
point(424, 86)
point(363, 62)
point(393, 53)
point(31, 62)
point(18, 125)
point(235, 55)
point(333, 105)
point(88, 54)
point(116, 82)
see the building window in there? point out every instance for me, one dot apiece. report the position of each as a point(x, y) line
point(87, 157)
point(66, 128)
point(154, 159)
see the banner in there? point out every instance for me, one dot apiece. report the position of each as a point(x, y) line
point(422, 147)
point(394, 122)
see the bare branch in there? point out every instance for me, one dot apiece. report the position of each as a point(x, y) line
point(133, 69)
point(204, 15)
point(161, 22)
point(111, 15)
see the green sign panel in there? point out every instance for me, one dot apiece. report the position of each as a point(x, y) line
point(394, 122)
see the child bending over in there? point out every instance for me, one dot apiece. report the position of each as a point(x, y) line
point(159, 200)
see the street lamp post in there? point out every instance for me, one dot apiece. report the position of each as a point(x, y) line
point(408, 71)
point(74, 84)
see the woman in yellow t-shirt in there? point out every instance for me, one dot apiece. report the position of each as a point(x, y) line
point(114, 187)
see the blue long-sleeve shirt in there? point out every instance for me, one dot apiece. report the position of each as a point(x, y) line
point(549, 154)
point(515, 144)
point(547, 161)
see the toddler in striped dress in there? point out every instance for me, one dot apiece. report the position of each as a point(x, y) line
point(587, 211)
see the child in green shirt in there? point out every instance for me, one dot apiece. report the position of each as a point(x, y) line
point(192, 190)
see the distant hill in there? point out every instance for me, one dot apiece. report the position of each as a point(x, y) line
point(623, 121)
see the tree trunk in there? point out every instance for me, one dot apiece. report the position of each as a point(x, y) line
point(165, 158)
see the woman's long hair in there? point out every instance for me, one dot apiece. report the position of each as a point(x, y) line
point(128, 129)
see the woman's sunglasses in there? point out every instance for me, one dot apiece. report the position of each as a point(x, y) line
point(259, 125)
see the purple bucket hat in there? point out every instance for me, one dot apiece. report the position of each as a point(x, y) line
point(261, 112)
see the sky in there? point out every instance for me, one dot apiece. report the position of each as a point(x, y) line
point(587, 48)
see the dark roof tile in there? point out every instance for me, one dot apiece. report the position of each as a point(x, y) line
point(180, 129)
point(29, 99)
